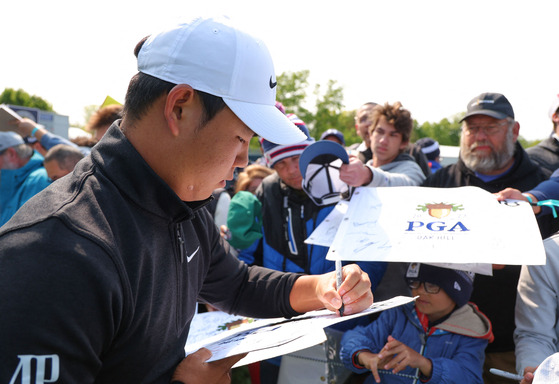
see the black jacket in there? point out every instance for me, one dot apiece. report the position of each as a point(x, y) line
point(545, 155)
point(103, 270)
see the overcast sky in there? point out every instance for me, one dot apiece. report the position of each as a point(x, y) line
point(433, 56)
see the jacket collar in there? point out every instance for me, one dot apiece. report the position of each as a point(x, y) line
point(120, 162)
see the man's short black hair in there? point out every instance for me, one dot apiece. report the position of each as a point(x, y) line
point(145, 89)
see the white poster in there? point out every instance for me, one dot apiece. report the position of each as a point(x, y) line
point(228, 335)
point(465, 225)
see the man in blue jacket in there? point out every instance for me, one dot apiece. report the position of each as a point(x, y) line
point(22, 174)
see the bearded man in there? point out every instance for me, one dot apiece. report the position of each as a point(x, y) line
point(491, 158)
point(490, 155)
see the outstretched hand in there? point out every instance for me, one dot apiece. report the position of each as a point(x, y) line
point(515, 194)
point(510, 193)
point(355, 173)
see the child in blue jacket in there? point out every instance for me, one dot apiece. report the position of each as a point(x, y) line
point(441, 338)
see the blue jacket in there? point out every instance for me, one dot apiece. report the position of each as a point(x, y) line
point(456, 347)
point(19, 185)
point(49, 140)
point(288, 218)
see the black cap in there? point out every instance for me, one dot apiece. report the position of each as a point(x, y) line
point(490, 104)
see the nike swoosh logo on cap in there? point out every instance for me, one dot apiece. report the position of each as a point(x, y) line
point(188, 258)
point(272, 84)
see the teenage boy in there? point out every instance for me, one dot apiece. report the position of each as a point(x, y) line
point(389, 134)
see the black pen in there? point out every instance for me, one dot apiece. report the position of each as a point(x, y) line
point(339, 280)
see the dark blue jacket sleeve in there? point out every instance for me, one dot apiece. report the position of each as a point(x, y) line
point(546, 190)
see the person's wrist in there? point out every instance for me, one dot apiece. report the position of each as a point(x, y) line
point(368, 175)
point(34, 131)
point(533, 201)
point(530, 199)
point(356, 358)
point(426, 370)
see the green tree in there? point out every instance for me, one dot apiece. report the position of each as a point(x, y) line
point(328, 107)
point(346, 125)
point(24, 99)
point(527, 143)
point(292, 93)
point(446, 132)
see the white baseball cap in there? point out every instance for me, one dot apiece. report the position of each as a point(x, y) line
point(553, 107)
point(319, 165)
point(213, 56)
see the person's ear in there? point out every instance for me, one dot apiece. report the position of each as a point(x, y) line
point(177, 106)
point(555, 119)
point(11, 152)
point(515, 130)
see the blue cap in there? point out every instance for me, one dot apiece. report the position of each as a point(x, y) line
point(333, 132)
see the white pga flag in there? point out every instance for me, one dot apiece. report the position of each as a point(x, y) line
point(465, 225)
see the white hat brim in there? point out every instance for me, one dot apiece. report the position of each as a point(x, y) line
point(266, 121)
